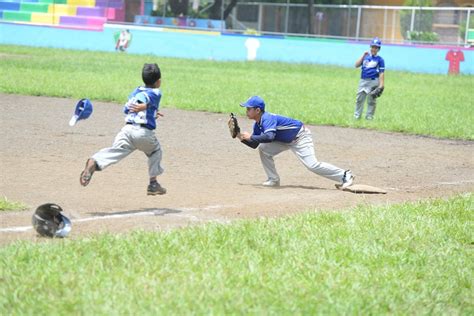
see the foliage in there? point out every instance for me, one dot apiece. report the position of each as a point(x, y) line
point(7, 205)
point(462, 26)
point(423, 18)
point(408, 259)
point(429, 37)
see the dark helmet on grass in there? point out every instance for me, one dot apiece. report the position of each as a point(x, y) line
point(48, 221)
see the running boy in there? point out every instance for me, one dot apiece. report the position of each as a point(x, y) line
point(372, 76)
point(274, 134)
point(141, 111)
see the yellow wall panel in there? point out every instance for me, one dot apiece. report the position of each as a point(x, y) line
point(84, 3)
point(62, 9)
point(44, 18)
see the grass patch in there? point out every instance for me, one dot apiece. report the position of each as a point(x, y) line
point(413, 258)
point(7, 205)
point(435, 105)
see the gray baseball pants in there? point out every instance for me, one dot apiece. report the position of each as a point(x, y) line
point(130, 138)
point(303, 148)
point(365, 87)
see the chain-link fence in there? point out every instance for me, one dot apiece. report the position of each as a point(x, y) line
point(392, 24)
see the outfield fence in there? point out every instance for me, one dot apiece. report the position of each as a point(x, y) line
point(393, 24)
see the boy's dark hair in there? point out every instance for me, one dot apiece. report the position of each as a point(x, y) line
point(150, 74)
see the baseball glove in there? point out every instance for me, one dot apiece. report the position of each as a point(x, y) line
point(376, 92)
point(233, 124)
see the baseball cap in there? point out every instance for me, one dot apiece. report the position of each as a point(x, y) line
point(254, 102)
point(82, 111)
point(376, 42)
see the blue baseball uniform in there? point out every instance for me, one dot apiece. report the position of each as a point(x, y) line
point(147, 117)
point(275, 134)
point(273, 127)
point(138, 133)
point(372, 67)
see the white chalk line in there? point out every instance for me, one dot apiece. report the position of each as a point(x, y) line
point(156, 212)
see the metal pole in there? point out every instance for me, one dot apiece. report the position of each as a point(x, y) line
point(412, 23)
point(287, 14)
point(222, 15)
point(358, 22)
point(349, 20)
point(467, 27)
point(384, 24)
point(393, 27)
point(260, 17)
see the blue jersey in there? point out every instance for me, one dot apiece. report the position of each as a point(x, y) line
point(372, 66)
point(285, 128)
point(146, 118)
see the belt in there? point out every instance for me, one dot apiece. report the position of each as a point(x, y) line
point(370, 78)
point(141, 125)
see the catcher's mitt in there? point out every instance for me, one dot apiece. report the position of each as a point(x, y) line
point(233, 124)
point(376, 92)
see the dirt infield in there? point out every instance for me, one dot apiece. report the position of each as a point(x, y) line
point(209, 176)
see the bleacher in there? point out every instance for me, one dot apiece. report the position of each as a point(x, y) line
point(80, 14)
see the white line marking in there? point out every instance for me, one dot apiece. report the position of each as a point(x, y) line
point(156, 212)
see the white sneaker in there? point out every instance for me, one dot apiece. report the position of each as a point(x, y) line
point(347, 179)
point(271, 183)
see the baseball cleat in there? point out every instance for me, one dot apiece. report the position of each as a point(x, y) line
point(271, 183)
point(347, 179)
point(155, 189)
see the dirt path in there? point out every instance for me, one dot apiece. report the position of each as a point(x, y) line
point(209, 176)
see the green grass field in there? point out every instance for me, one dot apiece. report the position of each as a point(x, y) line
point(436, 105)
point(409, 259)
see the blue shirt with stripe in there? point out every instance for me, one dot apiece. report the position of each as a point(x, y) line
point(285, 128)
point(372, 66)
point(146, 118)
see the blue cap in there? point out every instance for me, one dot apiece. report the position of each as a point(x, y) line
point(254, 102)
point(83, 111)
point(376, 42)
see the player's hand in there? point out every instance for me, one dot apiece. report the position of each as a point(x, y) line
point(159, 114)
point(137, 107)
point(244, 136)
point(366, 53)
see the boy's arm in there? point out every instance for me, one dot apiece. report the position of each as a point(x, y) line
point(382, 80)
point(360, 60)
point(137, 107)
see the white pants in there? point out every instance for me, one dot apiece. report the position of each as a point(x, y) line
point(130, 138)
point(303, 148)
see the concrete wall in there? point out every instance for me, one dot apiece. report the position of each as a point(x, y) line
point(228, 47)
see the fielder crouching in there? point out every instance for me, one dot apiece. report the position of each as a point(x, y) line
point(273, 134)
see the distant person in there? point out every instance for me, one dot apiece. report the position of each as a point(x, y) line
point(372, 77)
point(141, 112)
point(273, 134)
point(123, 40)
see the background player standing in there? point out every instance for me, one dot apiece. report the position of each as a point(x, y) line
point(372, 76)
point(273, 134)
point(138, 133)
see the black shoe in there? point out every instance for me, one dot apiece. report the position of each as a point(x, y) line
point(155, 189)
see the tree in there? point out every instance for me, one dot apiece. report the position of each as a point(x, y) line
point(179, 7)
point(215, 11)
point(311, 16)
